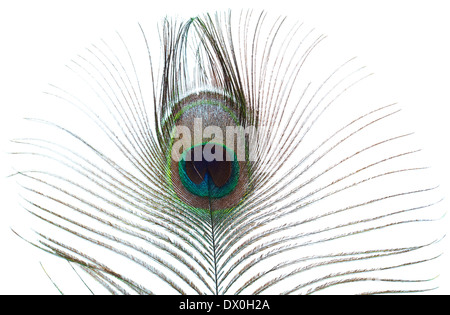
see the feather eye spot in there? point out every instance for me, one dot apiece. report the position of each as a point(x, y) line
point(209, 170)
point(208, 156)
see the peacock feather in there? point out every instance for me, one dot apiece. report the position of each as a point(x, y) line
point(213, 165)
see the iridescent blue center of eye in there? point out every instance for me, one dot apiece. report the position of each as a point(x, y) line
point(209, 170)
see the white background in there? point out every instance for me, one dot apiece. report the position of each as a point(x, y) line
point(406, 44)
